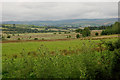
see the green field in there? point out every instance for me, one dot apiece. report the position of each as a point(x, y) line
point(16, 48)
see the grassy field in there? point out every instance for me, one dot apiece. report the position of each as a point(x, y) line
point(16, 48)
point(74, 58)
point(40, 36)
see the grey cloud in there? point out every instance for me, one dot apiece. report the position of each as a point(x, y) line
point(27, 11)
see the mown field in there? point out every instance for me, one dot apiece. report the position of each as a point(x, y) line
point(83, 59)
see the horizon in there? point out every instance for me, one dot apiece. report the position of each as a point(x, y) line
point(68, 19)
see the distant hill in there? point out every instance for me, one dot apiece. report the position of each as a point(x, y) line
point(70, 22)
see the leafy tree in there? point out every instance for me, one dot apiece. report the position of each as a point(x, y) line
point(13, 34)
point(14, 25)
point(54, 33)
point(77, 36)
point(59, 32)
point(86, 32)
point(78, 30)
point(114, 29)
point(8, 36)
point(18, 38)
point(69, 36)
point(35, 38)
point(96, 33)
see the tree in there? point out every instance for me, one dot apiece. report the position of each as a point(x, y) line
point(96, 33)
point(86, 32)
point(59, 32)
point(35, 38)
point(77, 36)
point(78, 30)
point(69, 36)
point(18, 38)
point(14, 25)
point(113, 29)
point(8, 36)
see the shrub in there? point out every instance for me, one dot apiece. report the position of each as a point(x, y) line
point(35, 38)
point(30, 37)
point(96, 33)
point(77, 36)
point(54, 33)
point(13, 34)
point(8, 36)
point(3, 38)
point(69, 36)
point(18, 38)
point(86, 32)
point(65, 32)
point(59, 32)
point(42, 38)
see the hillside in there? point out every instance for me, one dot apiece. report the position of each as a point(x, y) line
point(70, 22)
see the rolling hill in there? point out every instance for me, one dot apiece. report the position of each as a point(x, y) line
point(70, 22)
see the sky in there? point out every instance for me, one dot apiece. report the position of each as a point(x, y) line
point(42, 11)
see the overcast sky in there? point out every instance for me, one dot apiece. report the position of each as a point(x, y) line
point(28, 11)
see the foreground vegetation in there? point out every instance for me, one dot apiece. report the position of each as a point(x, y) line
point(85, 62)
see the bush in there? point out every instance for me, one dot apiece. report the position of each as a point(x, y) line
point(30, 37)
point(96, 33)
point(114, 29)
point(54, 33)
point(8, 36)
point(69, 36)
point(86, 32)
point(59, 32)
point(42, 38)
point(35, 38)
point(18, 38)
point(3, 38)
point(13, 34)
point(77, 36)
point(65, 32)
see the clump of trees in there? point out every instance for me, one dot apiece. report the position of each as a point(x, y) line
point(85, 32)
point(12, 29)
point(66, 32)
point(99, 27)
point(114, 29)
